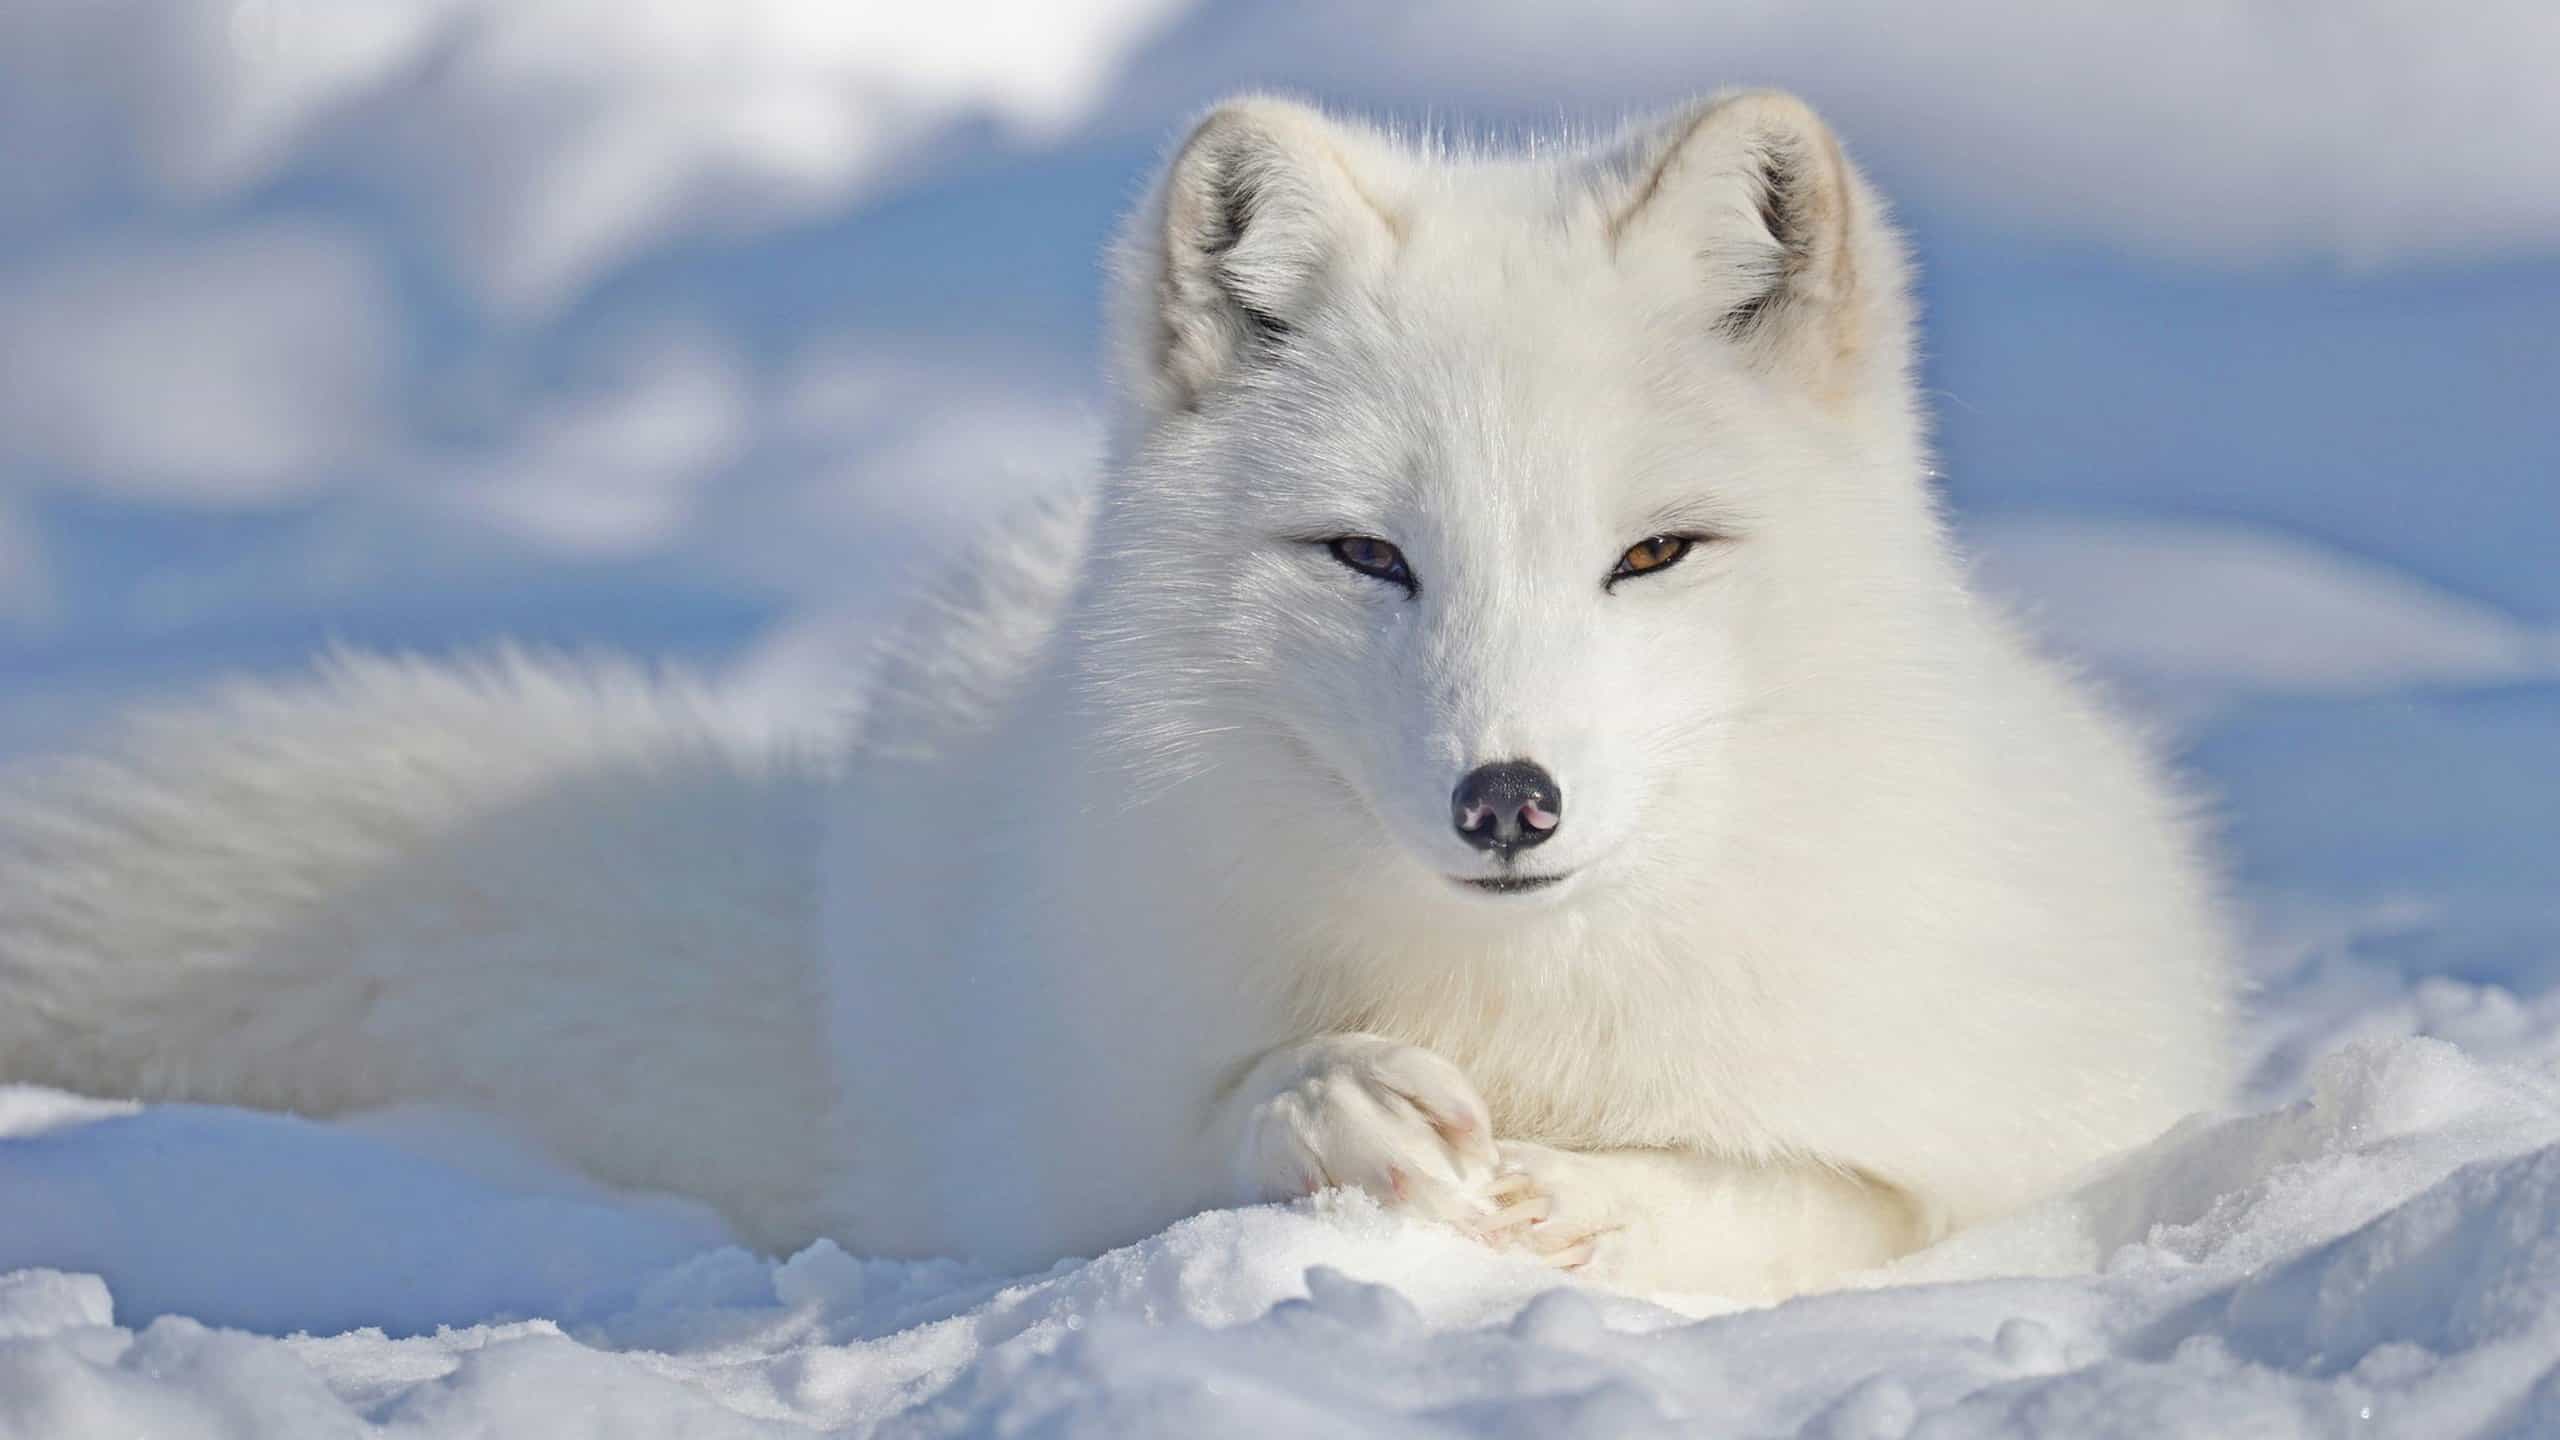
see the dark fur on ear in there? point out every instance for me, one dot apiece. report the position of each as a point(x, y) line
point(1754, 188)
point(1779, 183)
point(1232, 202)
point(1257, 210)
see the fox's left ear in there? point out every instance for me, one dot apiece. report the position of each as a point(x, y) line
point(1747, 207)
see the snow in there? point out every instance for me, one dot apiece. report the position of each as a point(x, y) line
point(283, 378)
point(2319, 622)
point(2372, 1239)
point(548, 138)
point(271, 1223)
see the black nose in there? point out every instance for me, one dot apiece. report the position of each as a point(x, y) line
point(1507, 806)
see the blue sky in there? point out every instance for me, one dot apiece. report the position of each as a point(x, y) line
point(695, 328)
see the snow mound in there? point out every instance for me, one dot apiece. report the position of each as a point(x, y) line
point(266, 1222)
point(2248, 611)
point(2379, 1252)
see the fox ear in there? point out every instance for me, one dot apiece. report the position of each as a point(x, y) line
point(1748, 204)
point(1260, 211)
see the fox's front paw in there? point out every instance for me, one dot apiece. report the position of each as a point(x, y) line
point(1369, 1113)
point(1555, 1205)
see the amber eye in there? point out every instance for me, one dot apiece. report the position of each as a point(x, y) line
point(1375, 557)
point(1652, 553)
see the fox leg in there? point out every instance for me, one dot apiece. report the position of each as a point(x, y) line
point(1674, 1220)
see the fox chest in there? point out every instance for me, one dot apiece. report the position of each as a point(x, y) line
point(1593, 1067)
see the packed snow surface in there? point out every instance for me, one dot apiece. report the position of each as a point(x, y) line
point(2373, 1244)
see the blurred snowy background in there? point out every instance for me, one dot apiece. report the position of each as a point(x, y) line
point(693, 327)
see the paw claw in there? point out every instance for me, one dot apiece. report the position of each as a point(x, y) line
point(1574, 1256)
point(1527, 1210)
point(1363, 1112)
point(1555, 1206)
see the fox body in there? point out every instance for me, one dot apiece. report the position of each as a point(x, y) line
point(1509, 733)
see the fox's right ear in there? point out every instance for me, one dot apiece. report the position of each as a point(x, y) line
point(1264, 206)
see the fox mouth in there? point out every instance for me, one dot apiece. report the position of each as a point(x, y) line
point(1513, 884)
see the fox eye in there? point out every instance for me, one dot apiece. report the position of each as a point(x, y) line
point(1373, 557)
point(1651, 554)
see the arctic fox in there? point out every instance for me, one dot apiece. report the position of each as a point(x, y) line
point(1510, 734)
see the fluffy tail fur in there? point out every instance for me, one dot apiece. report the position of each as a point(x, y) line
point(574, 897)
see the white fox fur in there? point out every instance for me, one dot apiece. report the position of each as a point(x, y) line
point(1137, 889)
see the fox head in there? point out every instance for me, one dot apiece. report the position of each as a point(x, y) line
point(1472, 515)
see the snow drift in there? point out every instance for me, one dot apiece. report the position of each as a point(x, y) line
point(2378, 1252)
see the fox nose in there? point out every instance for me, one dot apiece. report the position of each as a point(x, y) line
point(1507, 806)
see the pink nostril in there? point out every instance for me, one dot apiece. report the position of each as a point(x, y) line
point(1507, 806)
